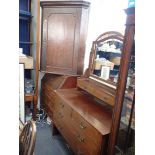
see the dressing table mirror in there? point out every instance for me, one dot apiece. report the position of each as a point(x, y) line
point(105, 57)
point(100, 79)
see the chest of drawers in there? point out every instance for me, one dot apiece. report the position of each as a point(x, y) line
point(84, 123)
point(49, 84)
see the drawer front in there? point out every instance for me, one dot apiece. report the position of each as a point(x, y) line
point(48, 98)
point(87, 149)
point(48, 110)
point(47, 104)
point(87, 87)
point(67, 133)
point(59, 105)
point(62, 111)
point(47, 90)
point(97, 91)
point(83, 138)
point(108, 98)
point(89, 139)
point(47, 93)
point(61, 117)
point(48, 101)
point(43, 87)
point(84, 128)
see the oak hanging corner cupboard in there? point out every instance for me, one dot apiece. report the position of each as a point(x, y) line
point(63, 36)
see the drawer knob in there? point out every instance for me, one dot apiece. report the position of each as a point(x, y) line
point(81, 139)
point(60, 115)
point(82, 126)
point(62, 105)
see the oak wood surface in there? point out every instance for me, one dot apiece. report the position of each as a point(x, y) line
point(94, 113)
point(97, 89)
point(84, 123)
point(49, 84)
point(64, 29)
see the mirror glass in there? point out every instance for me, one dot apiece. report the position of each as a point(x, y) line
point(106, 56)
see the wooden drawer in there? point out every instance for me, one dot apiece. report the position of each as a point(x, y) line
point(47, 105)
point(84, 86)
point(102, 92)
point(47, 92)
point(59, 104)
point(70, 138)
point(68, 134)
point(61, 117)
point(79, 147)
point(87, 146)
point(62, 110)
point(48, 101)
point(49, 97)
point(88, 138)
point(43, 87)
point(84, 128)
point(47, 89)
point(83, 135)
point(48, 109)
point(104, 96)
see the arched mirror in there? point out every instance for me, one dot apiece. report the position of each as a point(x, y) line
point(105, 57)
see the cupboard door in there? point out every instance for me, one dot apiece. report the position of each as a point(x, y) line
point(60, 40)
point(64, 29)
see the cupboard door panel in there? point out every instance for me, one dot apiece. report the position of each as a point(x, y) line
point(61, 38)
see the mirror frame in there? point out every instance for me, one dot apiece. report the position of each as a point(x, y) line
point(101, 38)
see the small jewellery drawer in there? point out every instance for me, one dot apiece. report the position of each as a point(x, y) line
point(105, 94)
